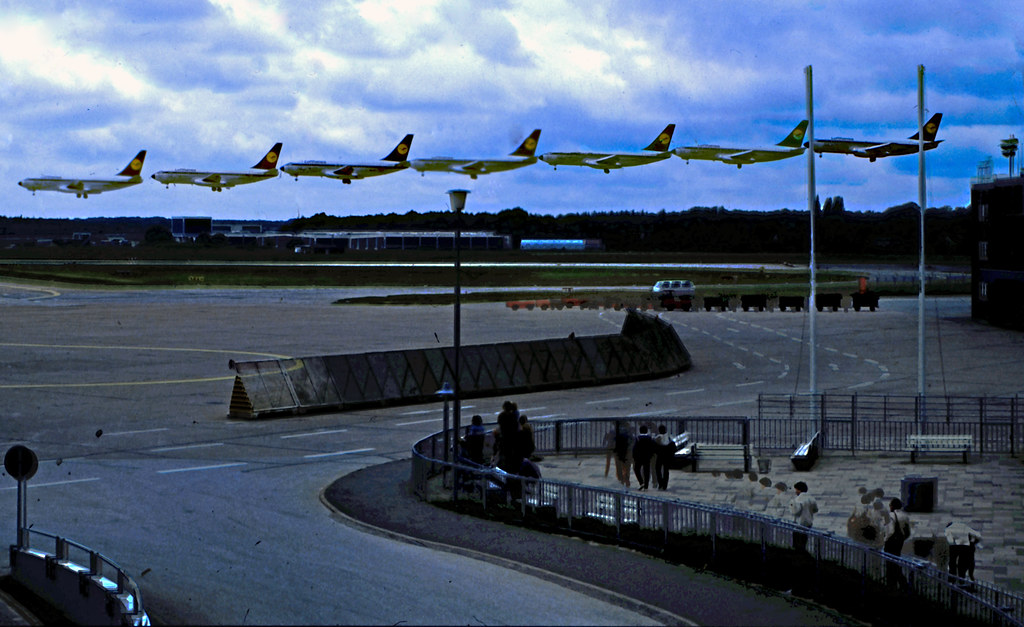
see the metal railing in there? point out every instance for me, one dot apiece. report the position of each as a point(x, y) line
point(855, 422)
point(661, 524)
point(88, 563)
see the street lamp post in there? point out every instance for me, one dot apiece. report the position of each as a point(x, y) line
point(457, 197)
point(446, 393)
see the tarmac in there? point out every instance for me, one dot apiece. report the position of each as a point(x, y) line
point(984, 493)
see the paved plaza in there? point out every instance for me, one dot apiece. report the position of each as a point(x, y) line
point(986, 494)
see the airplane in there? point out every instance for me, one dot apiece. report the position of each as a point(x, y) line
point(791, 146)
point(82, 187)
point(874, 150)
point(607, 161)
point(518, 158)
point(217, 181)
point(395, 161)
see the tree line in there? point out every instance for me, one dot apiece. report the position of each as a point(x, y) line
point(699, 229)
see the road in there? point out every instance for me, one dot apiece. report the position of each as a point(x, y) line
point(123, 395)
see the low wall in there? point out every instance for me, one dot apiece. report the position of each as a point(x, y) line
point(83, 593)
point(646, 347)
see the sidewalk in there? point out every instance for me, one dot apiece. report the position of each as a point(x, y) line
point(986, 494)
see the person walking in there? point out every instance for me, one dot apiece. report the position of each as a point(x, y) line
point(665, 450)
point(643, 451)
point(900, 531)
point(803, 507)
point(962, 540)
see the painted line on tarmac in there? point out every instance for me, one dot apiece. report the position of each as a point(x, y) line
point(185, 447)
point(47, 292)
point(653, 413)
point(54, 483)
point(136, 432)
point(34, 386)
point(608, 400)
point(193, 468)
point(727, 403)
point(312, 433)
point(693, 391)
point(743, 385)
point(416, 422)
point(336, 453)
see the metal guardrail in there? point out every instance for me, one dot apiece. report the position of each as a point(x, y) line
point(857, 422)
point(659, 523)
point(88, 564)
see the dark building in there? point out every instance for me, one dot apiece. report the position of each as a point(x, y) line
point(997, 264)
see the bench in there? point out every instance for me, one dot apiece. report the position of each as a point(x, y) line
point(683, 456)
point(917, 443)
point(735, 455)
point(806, 454)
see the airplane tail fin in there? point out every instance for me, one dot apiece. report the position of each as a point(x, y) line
point(529, 145)
point(664, 139)
point(931, 128)
point(795, 139)
point(135, 167)
point(269, 162)
point(401, 151)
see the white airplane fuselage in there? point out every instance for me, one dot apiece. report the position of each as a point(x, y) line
point(342, 171)
point(603, 160)
point(470, 167)
point(216, 181)
point(736, 156)
point(871, 150)
point(82, 188)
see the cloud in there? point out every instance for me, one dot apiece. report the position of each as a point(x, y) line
point(213, 84)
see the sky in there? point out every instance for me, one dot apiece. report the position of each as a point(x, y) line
point(212, 85)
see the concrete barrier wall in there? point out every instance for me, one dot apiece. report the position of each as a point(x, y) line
point(646, 347)
point(80, 592)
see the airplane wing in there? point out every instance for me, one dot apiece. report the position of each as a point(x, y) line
point(878, 150)
point(610, 161)
point(344, 171)
point(474, 167)
point(745, 156)
point(602, 161)
point(210, 179)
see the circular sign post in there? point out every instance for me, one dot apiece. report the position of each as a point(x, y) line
point(21, 463)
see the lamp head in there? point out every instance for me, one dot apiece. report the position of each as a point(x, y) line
point(457, 197)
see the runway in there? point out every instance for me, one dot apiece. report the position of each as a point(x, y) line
point(123, 395)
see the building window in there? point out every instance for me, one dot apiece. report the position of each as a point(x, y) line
point(982, 290)
point(983, 212)
point(982, 251)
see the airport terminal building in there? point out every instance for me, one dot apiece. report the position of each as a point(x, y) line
point(188, 228)
point(997, 264)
